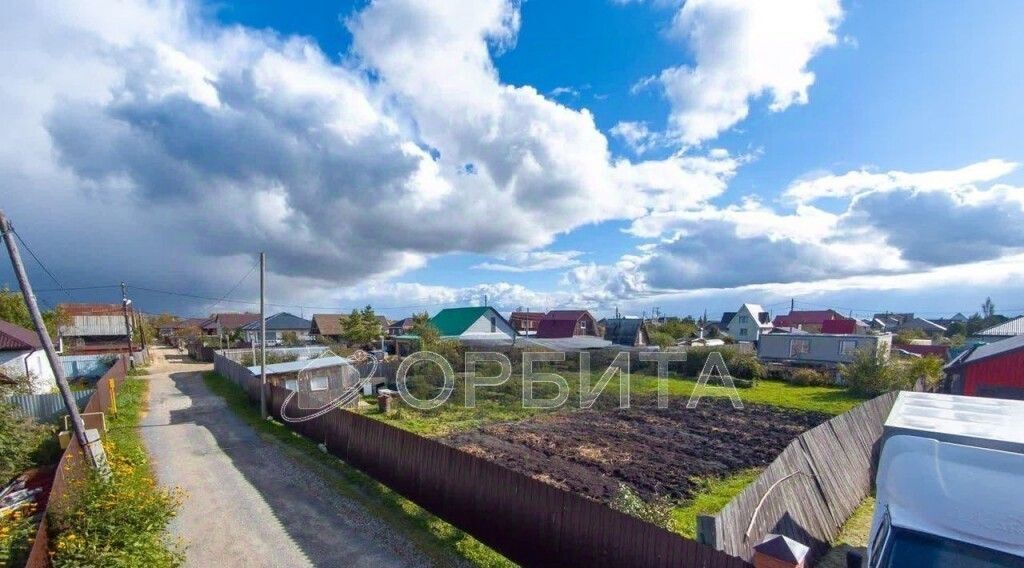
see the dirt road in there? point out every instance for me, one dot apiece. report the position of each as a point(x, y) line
point(247, 503)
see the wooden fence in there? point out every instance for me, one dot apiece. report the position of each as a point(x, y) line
point(72, 464)
point(810, 490)
point(529, 521)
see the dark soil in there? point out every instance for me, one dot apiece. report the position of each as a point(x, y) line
point(653, 451)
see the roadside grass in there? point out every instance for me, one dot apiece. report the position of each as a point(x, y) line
point(714, 493)
point(123, 521)
point(856, 531)
point(436, 538)
point(503, 404)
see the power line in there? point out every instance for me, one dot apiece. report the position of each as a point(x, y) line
point(41, 265)
point(233, 288)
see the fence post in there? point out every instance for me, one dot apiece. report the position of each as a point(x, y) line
point(706, 530)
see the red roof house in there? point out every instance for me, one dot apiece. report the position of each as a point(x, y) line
point(525, 322)
point(807, 320)
point(566, 323)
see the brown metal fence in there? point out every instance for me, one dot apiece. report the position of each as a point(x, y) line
point(529, 521)
point(810, 490)
point(72, 464)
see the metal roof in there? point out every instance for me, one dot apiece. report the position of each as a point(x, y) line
point(455, 321)
point(968, 420)
point(282, 321)
point(302, 365)
point(1012, 327)
point(992, 349)
point(16, 338)
point(576, 343)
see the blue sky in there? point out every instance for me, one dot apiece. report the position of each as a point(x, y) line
point(875, 123)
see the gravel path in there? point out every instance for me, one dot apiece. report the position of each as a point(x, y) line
point(247, 503)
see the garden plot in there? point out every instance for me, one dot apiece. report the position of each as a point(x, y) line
point(653, 451)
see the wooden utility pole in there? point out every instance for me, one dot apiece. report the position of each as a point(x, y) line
point(77, 425)
point(127, 326)
point(263, 335)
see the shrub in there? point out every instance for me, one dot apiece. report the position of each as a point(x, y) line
point(661, 339)
point(746, 366)
point(248, 361)
point(741, 365)
point(23, 443)
point(871, 373)
point(657, 511)
point(808, 377)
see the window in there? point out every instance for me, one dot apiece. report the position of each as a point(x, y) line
point(292, 385)
point(798, 347)
point(494, 324)
point(744, 319)
point(847, 347)
point(743, 331)
point(318, 384)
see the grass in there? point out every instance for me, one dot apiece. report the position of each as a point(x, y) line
point(121, 521)
point(434, 537)
point(713, 495)
point(505, 406)
point(856, 531)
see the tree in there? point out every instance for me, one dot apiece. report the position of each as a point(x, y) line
point(661, 339)
point(361, 326)
point(421, 326)
point(679, 329)
point(14, 310)
point(988, 309)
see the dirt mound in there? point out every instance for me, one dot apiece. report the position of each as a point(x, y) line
point(654, 451)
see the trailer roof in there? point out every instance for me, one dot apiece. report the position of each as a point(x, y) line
point(968, 420)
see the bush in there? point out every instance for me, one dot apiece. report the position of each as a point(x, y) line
point(23, 443)
point(872, 373)
point(741, 365)
point(746, 366)
point(661, 339)
point(657, 511)
point(247, 360)
point(808, 377)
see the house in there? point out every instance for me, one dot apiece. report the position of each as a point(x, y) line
point(819, 348)
point(631, 332)
point(227, 323)
point(748, 323)
point(171, 328)
point(807, 320)
point(93, 328)
point(567, 323)
point(401, 327)
point(278, 325)
point(994, 370)
point(525, 323)
point(889, 321)
point(847, 326)
point(482, 323)
point(1005, 330)
point(22, 356)
point(330, 327)
point(327, 327)
point(920, 324)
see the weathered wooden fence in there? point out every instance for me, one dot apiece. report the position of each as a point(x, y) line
point(46, 407)
point(72, 464)
point(810, 490)
point(529, 521)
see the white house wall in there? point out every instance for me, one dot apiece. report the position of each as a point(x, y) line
point(482, 327)
point(17, 363)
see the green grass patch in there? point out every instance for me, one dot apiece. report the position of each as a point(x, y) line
point(857, 529)
point(121, 521)
point(713, 495)
point(434, 537)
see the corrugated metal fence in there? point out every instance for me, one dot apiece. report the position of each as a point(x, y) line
point(72, 464)
point(46, 407)
point(812, 487)
point(529, 521)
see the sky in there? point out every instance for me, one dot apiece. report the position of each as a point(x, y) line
point(637, 155)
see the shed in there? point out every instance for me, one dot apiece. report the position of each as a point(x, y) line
point(994, 370)
point(566, 323)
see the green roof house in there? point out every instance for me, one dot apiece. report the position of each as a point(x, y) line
point(483, 324)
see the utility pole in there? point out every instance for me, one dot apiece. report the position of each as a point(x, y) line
point(140, 324)
point(263, 335)
point(127, 326)
point(77, 425)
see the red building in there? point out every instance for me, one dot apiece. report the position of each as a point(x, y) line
point(994, 370)
point(526, 322)
point(807, 320)
point(566, 323)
